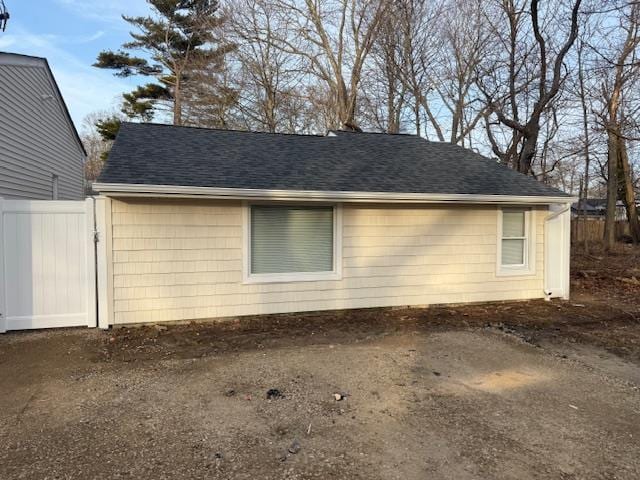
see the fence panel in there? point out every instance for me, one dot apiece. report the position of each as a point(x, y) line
point(593, 229)
point(48, 264)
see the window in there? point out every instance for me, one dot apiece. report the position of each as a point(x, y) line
point(291, 243)
point(516, 242)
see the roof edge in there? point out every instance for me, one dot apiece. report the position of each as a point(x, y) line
point(74, 130)
point(22, 60)
point(176, 191)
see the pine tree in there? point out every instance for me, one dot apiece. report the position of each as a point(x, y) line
point(180, 38)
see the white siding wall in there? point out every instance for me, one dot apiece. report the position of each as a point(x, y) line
point(181, 260)
point(35, 136)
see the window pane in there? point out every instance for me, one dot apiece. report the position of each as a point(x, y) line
point(291, 239)
point(512, 223)
point(513, 252)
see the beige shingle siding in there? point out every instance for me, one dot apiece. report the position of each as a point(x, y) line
point(182, 260)
point(37, 139)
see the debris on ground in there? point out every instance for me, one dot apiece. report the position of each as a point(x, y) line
point(485, 372)
point(295, 447)
point(274, 394)
point(339, 396)
point(230, 392)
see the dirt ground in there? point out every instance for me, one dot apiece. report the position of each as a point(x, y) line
point(503, 391)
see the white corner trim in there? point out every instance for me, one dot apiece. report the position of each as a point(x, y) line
point(104, 257)
point(529, 267)
point(249, 278)
point(90, 229)
point(135, 190)
point(3, 302)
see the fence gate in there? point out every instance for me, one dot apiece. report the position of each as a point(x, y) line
point(47, 264)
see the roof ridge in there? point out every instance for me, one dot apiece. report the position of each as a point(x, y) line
point(234, 130)
point(23, 55)
point(400, 134)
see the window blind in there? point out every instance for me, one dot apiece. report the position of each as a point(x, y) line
point(513, 237)
point(291, 239)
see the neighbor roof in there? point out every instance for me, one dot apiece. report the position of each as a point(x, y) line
point(152, 154)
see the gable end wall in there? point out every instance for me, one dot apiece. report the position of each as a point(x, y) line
point(36, 138)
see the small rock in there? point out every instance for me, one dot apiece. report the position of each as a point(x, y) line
point(437, 374)
point(160, 328)
point(274, 394)
point(294, 447)
point(230, 392)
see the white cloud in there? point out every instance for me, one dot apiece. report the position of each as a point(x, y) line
point(85, 88)
point(109, 12)
point(91, 38)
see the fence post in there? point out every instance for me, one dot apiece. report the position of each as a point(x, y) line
point(104, 264)
point(3, 302)
point(90, 232)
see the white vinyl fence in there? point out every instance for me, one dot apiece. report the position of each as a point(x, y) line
point(47, 264)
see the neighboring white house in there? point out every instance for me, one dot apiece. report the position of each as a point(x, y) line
point(41, 155)
point(199, 223)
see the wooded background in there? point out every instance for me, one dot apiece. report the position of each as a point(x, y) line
point(549, 88)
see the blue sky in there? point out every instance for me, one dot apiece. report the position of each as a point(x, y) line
point(70, 33)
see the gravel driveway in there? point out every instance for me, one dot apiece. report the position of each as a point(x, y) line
point(453, 403)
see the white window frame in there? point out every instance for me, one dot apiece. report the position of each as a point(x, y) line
point(529, 265)
point(335, 274)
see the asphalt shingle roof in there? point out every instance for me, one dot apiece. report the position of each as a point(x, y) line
point(155, 154)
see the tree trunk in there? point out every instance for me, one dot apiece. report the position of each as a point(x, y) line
point(612, 190)
point(587, 146)
point(177, 101)
point(528, 152)
point(629, 194)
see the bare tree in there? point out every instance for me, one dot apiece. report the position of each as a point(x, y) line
point(95, 140)
point(530, 72)
point(266, 75)
point(582, 95)
point(384, 93)
point(333, 38)
point(465, 40)
point(622, 69)
point(418, 46)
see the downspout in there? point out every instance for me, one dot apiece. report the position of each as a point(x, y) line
point(548, 293)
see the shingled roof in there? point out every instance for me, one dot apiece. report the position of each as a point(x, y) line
point(152, 154)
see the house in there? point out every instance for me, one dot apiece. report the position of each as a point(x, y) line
point(596, 209)
point(42, 157)
point(202, 223)
point(591, 207)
